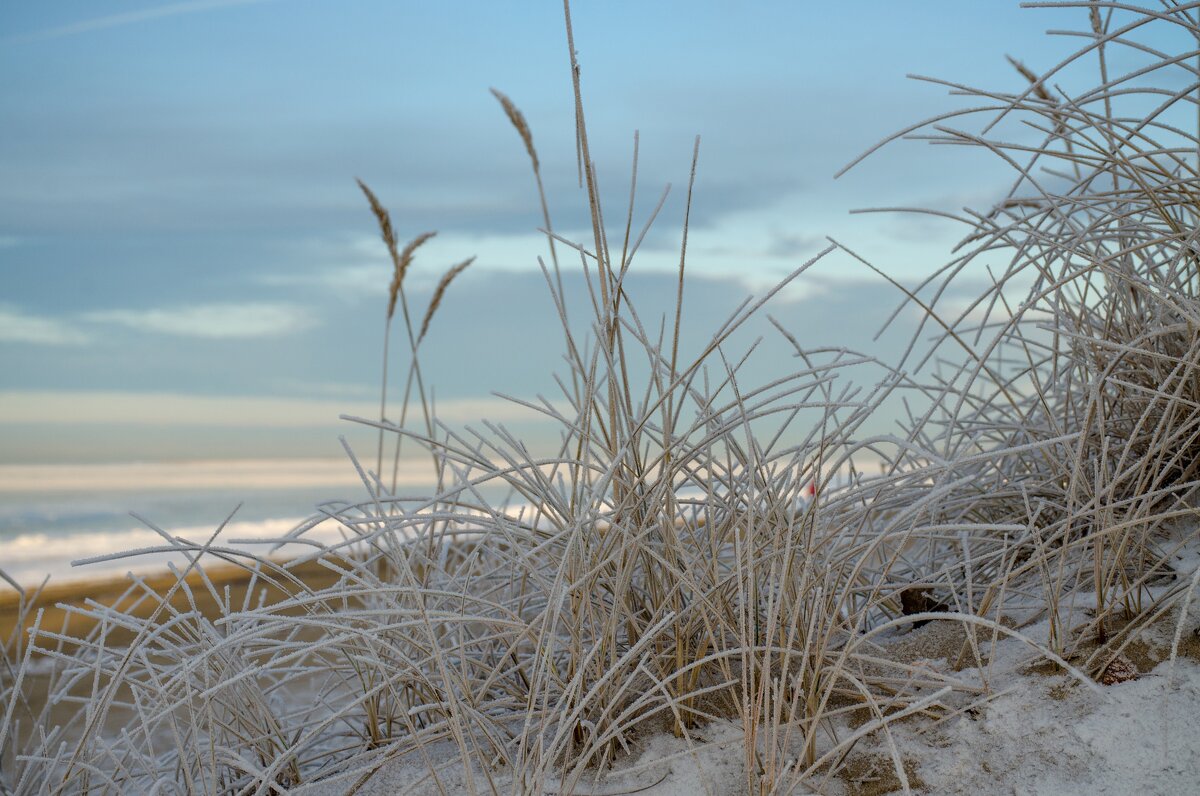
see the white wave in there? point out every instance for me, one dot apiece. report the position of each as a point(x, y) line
point(29, 558)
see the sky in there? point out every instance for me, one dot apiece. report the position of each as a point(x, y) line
point(188, 269)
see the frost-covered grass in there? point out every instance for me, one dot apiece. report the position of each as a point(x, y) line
point(664, 573)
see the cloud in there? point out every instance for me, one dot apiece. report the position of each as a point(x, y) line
point(358, 265)
point(216, 321)
point(789, 245)
point(23, 407)
point(777, 245)
point(129, 18)
point(205, 474)
point(19, 327)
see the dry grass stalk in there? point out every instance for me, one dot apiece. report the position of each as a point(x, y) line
point(383, 217)
point(517, 119)
point(402, 262)
point(518, 122)
point(439, 292)
point(401, 259)
point(1034, 81)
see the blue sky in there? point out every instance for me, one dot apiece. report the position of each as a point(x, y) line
point(187, 268)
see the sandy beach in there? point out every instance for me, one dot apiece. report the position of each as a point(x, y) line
point(65, 608)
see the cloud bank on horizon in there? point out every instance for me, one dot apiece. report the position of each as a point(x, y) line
point(178, 214)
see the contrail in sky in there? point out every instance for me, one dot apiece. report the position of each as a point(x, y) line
point(130, 18)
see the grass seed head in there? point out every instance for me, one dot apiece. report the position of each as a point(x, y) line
point(439, 292)
point(383, 217)
point(518, 121)
point(402, 262)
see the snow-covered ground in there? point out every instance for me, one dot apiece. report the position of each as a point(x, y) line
point(1035, 733)
point(1019, 725)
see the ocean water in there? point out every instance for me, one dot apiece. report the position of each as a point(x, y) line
point(53, 515)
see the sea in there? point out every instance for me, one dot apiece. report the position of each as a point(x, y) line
point(81, 522)
point(57, 520)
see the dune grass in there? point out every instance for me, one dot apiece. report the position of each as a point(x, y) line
point(665, 567)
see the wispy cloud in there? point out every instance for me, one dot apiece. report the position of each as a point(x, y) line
point(778, 246)
point(129, 18)
point(239, 474)
point(174, 409)
point(20, 327)
point(355, 266)
point(232, 320)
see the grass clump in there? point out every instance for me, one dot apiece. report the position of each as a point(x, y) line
point(1075, 423)
point(663, 569)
